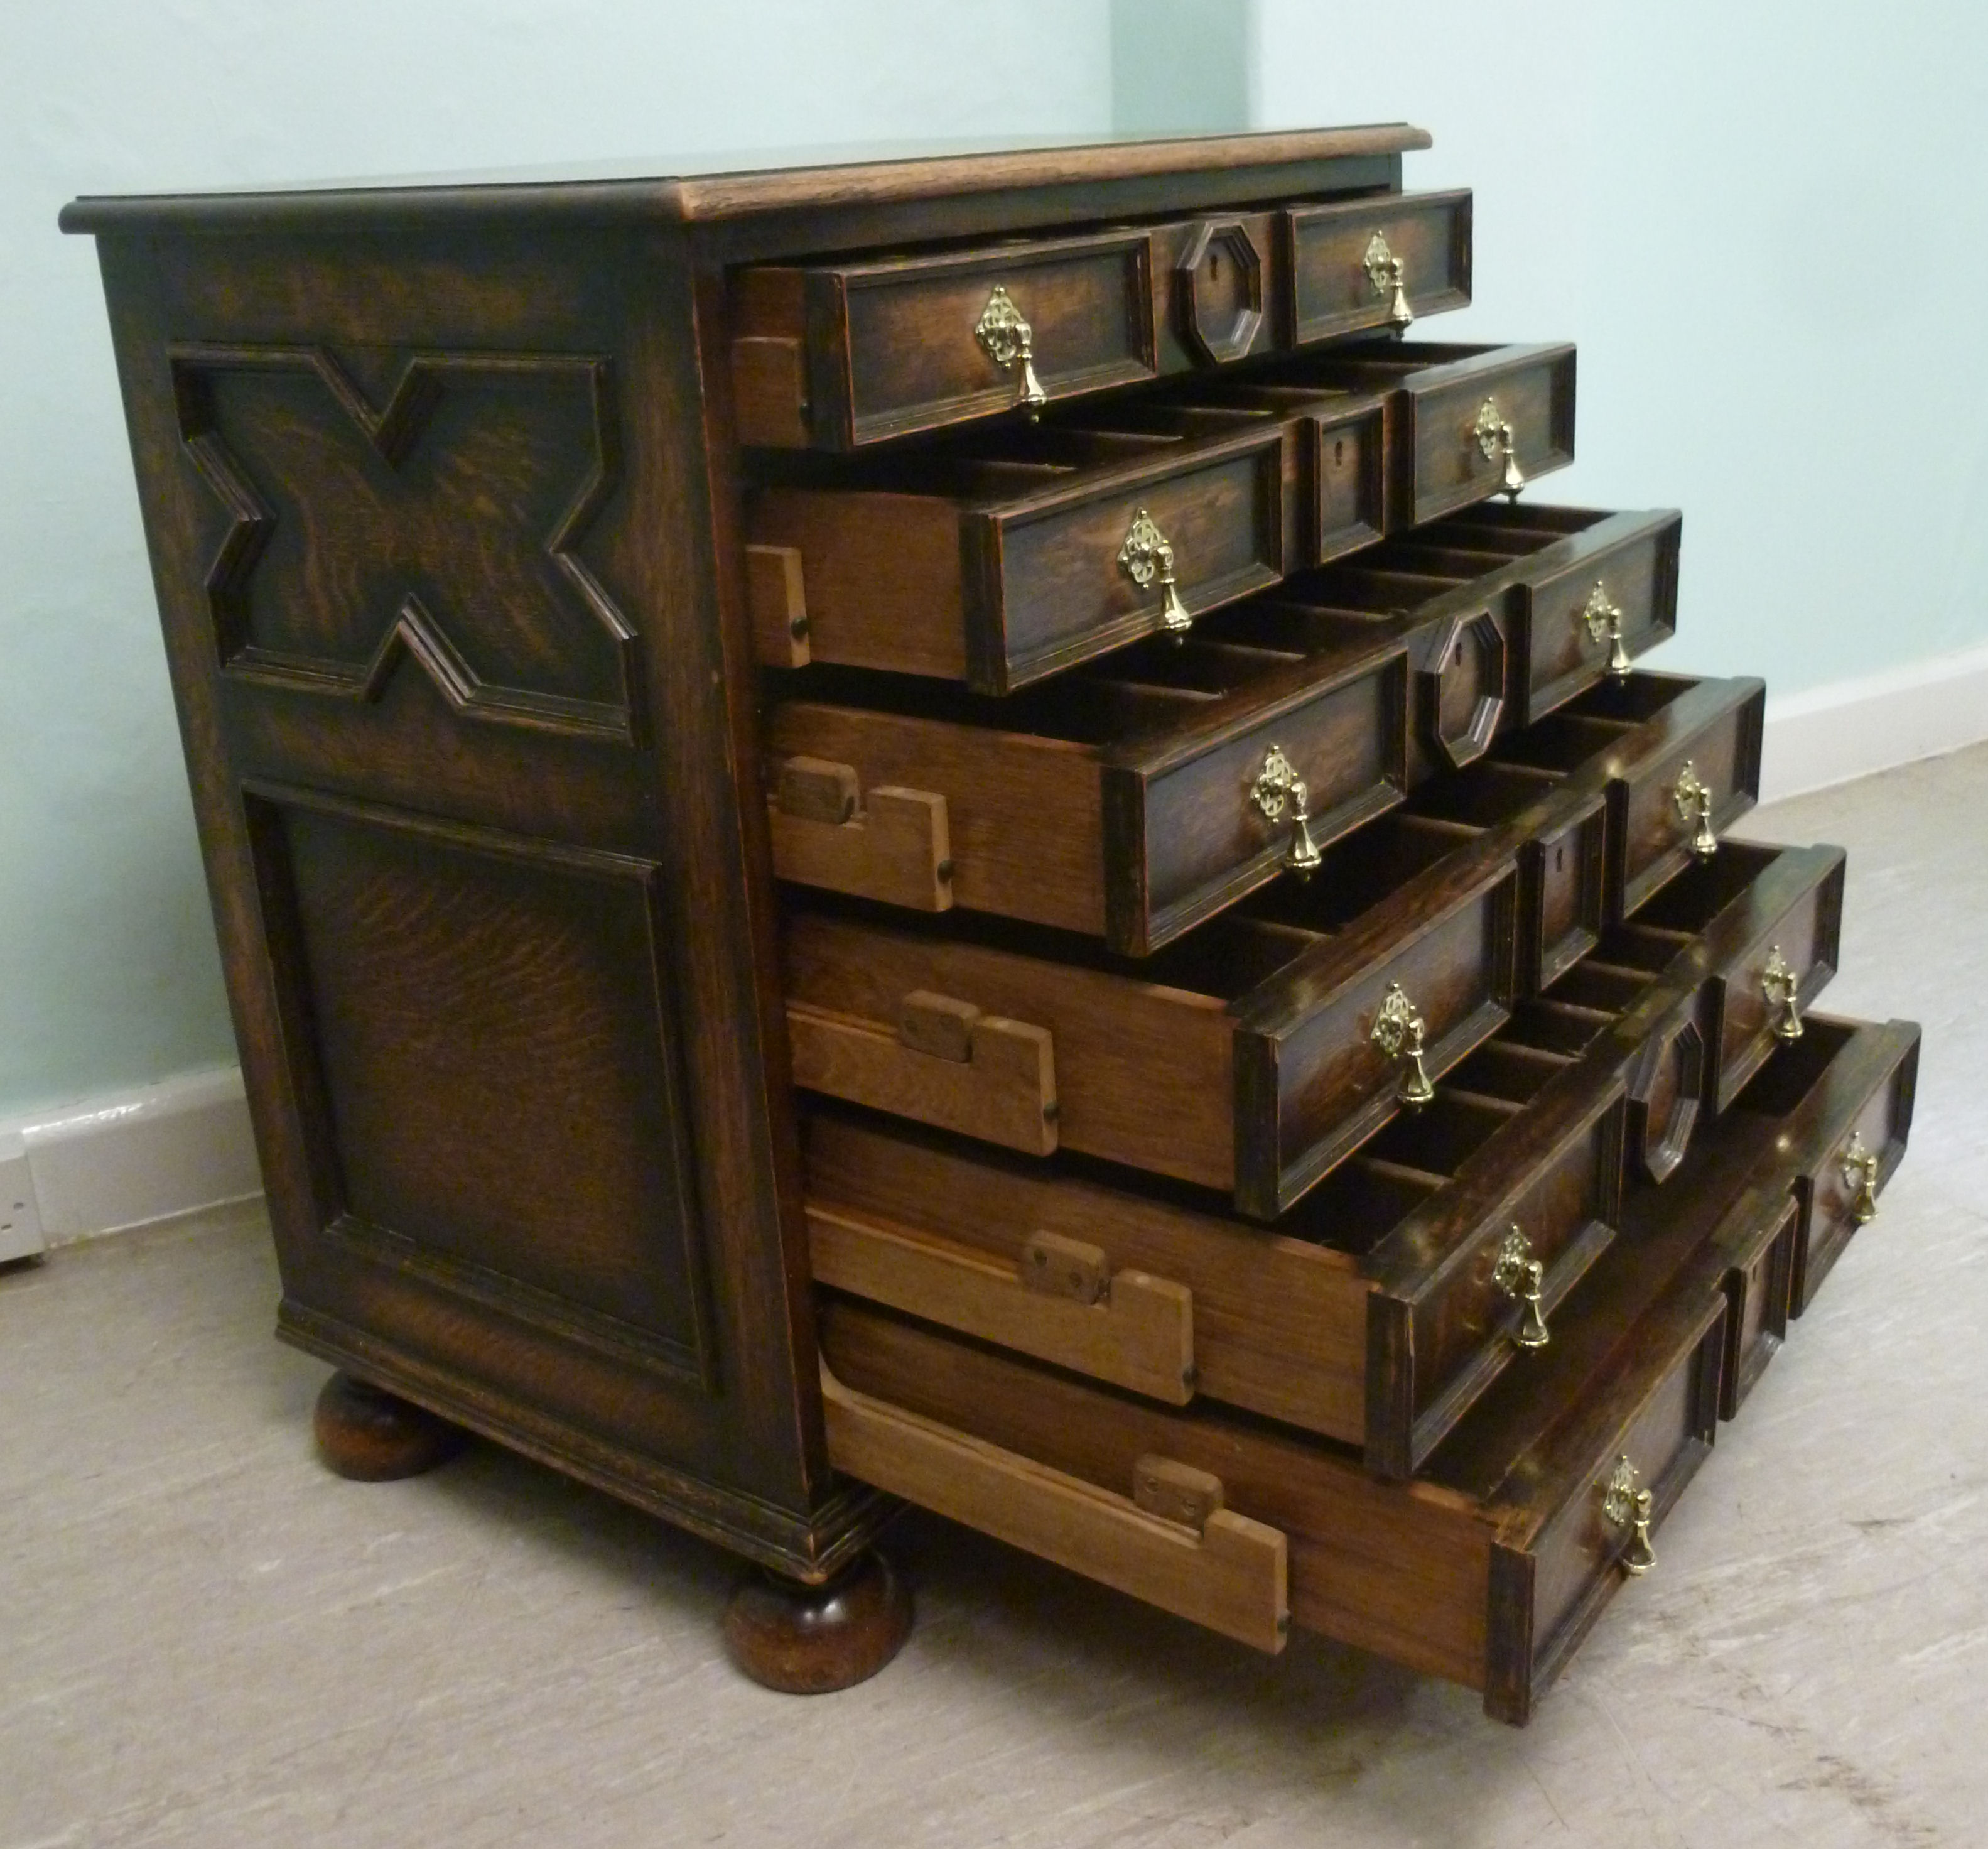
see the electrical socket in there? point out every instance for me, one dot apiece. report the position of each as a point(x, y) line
point(20, 1213)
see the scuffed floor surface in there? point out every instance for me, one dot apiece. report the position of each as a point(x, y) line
point(205, 1640)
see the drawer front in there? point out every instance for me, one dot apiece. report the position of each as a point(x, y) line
point(1864, 1142)
point(1309, 1093)
point(1570, 622)
point(1436, 1352)
point(1455, 453)
point(1757, 1298)
point(1279, 1326)
point(1654, 811)
point(912, 343)
point(1346, 467)
point(1545, 1601)
point(1142, 1073)
point(1190, 831)
point(1564, 896)
point(1047, 582)
point(1755, 1003)
point(1343, 258)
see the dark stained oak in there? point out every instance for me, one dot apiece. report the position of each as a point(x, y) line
point(800, 1639)
point(373, 1436)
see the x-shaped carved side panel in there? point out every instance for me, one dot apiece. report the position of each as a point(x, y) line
point(443, 527)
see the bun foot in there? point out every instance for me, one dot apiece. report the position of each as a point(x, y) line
point(372, 1436)
point(813, 1640)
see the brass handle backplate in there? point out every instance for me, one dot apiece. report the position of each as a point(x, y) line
point(1521, 1277)
point(1383, 274)
point(1692, 799)
point(1604, 619)
point(1398, 1030)
point(1147, 556)
point(1860, 1171)
point(1781, 986)
point(1625, 1505)
point(1493, 433)
point(1279, 789)
point(1010, 343)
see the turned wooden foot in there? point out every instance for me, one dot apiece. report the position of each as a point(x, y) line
point(813, 1640)
point(366, 1432)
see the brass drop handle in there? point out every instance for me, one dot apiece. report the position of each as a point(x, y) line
point(1148, 556)
point(1279, 789)
point(1692, 799)
point(1625, 1505)
point(1383, 274)
point(1780, 986)
point(1604, 619)
point(1010, 343)
point(1521, 1277)
point(1398, 1030)
point(1860, 1171)
point(1495, 439)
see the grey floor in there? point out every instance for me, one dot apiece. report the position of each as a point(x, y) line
point(206, 1640)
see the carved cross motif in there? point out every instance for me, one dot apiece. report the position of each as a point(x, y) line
point(443, 526)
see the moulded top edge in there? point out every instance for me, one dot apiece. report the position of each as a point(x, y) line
point(711, 187)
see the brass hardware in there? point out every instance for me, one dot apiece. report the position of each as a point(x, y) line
point(1010, 342)
point(1520, 1276)
point(1693, 801)
point(1860, 1171)
point(1605, 620)
point(1278, 787)
point(1780, 986)
point(1384, 271)
point(1494, 439)
point(1147, 554)
point(1398, 1032)
point(1624, 1506)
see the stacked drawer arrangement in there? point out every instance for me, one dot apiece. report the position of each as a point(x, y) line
point(1304, 1116)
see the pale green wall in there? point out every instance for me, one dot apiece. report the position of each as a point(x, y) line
point(1766, 226)
point(109, 972)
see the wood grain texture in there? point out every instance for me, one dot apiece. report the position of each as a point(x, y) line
point(897, 847)
point(1230, 1576)
point(1280, 1321)
point(1140, 1336)
point(1006, 1092)
point(1332, 292)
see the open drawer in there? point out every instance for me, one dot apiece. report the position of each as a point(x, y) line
point(1490, 1567)
point(1132, 798)
point(1262, 1048)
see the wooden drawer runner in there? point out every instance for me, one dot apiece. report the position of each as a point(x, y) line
point(1372, 263)
point(841, 355)
point(1490, 1567)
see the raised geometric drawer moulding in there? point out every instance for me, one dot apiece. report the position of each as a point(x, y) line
point(444, 526)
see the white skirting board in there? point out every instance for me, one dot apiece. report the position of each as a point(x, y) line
point(111, 1163)
point(1850, 729)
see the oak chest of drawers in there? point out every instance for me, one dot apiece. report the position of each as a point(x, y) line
point(959, 830)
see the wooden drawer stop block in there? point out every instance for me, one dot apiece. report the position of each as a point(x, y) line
point(1060, 1303)
point(947, 1064)
point(892, 845)
point(1229, 1573)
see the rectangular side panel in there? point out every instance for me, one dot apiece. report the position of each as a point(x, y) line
point(501, 1065)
